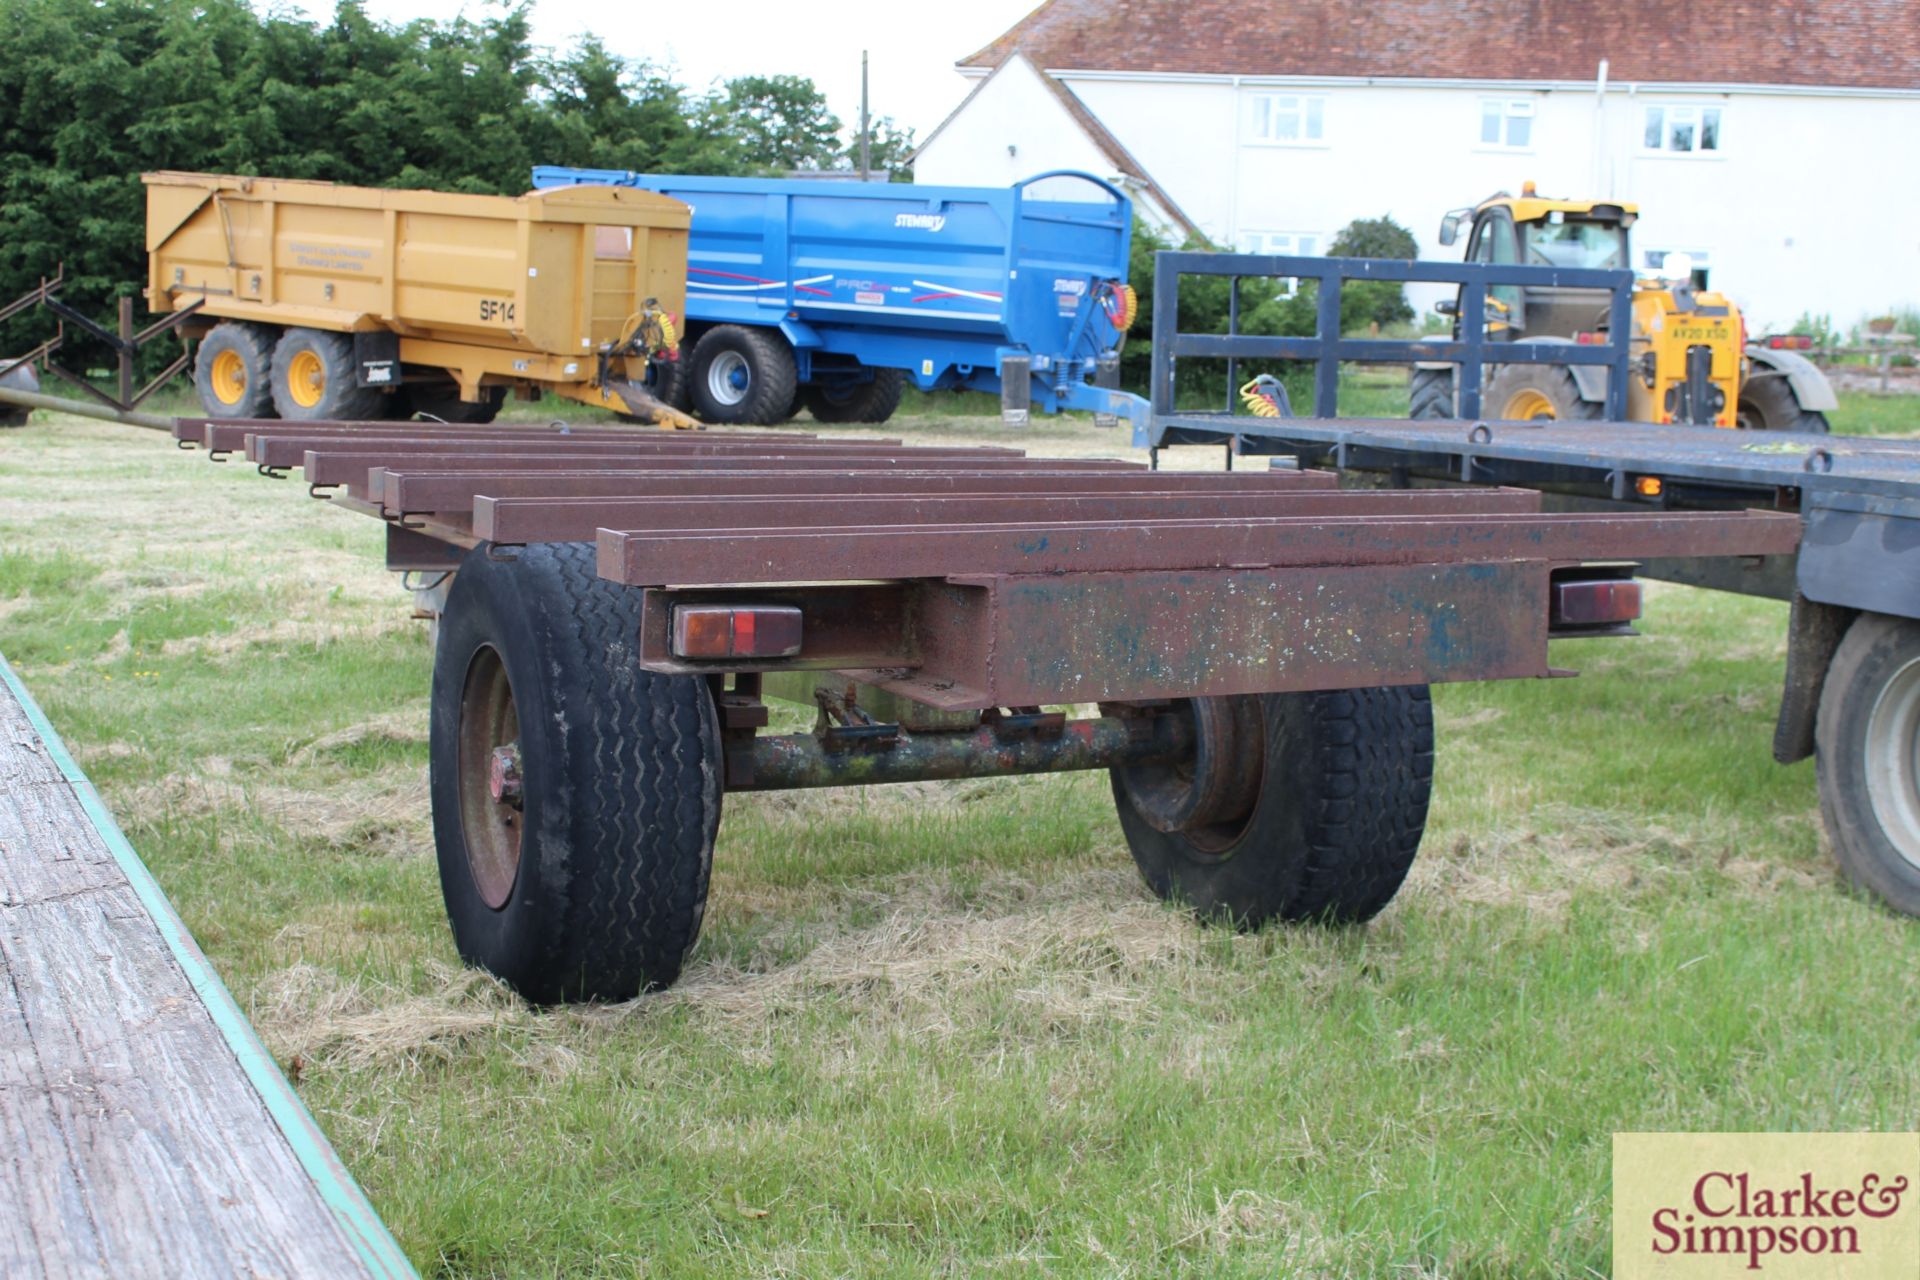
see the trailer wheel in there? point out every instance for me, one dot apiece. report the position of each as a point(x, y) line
point(1526, 392)
point(233, 371)
point(857, 401)
point(1767, 403)
point(575, 796)
point(1867, 740)
point(1430, 393)
point(1300, 806)
point(741, 376)
point(313, 379)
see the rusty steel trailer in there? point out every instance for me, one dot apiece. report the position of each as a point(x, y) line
point(1254, 650)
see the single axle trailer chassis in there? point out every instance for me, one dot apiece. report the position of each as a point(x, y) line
point(1247, 654)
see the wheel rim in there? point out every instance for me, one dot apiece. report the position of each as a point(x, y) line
point(1527, 403)
point(491, 788)
point(229, 377)
point(306, 379)
point(1893, 741)
point(728, 378)
point(1209, 798)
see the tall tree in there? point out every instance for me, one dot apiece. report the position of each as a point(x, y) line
point(94, 94)
point(888, 149)
point(1364, 303)
point(780, 122)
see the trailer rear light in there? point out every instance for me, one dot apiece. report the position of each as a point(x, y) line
point(710, 632)
point(1790, 342)
point(1591, 604)
point(1647, 486)
point(1589, 338)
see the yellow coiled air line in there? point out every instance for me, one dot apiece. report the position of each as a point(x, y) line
point(1265, 397)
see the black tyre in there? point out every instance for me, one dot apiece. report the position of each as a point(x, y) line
point(233, 371)
point(1767, 403)
point(857, 401)
point(10, 416)
point(1534, 391)
point(666, 381)
point(591, 881)
point(1430, 393)
point(1311, 809)
point(313, 379)
point(1865, 756)
point(741, 376)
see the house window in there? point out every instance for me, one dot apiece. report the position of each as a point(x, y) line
point(1288, 117)
point(1506, 123)
point(1684, 130)
point(1304, 244)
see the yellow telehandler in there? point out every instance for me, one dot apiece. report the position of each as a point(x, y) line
point(1691, 360)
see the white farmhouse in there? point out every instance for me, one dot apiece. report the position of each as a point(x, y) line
point(1778, 144)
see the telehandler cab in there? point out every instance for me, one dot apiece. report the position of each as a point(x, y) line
point(1691, 357)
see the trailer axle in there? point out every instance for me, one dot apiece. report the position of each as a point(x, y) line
point(1021, 744)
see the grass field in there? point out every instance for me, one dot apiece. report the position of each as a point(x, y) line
point(941, 1030)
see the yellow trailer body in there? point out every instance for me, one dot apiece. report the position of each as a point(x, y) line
point(546, 290)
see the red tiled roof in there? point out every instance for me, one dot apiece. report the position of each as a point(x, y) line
point(1860, 44)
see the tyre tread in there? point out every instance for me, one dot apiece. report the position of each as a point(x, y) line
point(1430, 394)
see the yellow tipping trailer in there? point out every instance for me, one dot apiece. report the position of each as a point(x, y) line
point(328, 301)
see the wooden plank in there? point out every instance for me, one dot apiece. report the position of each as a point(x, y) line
point(138, 1135)
point(23, 757)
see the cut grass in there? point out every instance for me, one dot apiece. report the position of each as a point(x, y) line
point(940, 1029)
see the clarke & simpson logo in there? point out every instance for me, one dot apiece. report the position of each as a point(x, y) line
point(1777, 1204)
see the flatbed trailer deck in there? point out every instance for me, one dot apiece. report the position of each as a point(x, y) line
point(1247, 653)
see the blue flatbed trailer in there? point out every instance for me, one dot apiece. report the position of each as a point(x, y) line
point(1852, 681)
point(835, 294)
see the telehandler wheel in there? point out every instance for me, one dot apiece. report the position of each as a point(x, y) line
point(313, 379)
point(1531, 391)
point(1767, 403)
point(1430, 393)
point(575, 796)
point(857, 401)
point(233, 371)
point(1867, 740)
point(1300, 806)
point(741, 376)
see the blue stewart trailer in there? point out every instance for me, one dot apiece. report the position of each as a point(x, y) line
point(830, 295)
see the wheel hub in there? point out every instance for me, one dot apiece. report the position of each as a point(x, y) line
point(1527, 404)
point(503, 778)
point(491, 783)
point(229, 377)
point(728, 378)
point(306, 379)
point(1209, 797)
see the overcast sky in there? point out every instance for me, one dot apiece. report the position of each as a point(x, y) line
point(913, 46)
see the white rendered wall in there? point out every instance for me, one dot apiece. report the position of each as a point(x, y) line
point(1806, 207)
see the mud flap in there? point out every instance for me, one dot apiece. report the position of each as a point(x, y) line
point(1016, 390)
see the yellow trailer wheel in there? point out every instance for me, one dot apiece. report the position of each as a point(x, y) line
point(313, 379)
point(306, 379)
point(233, 371)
